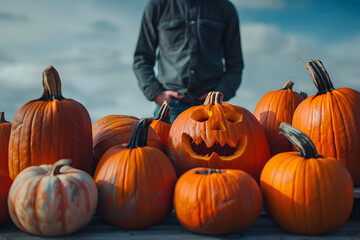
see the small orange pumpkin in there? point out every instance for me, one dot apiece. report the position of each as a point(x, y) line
point(50, 128)
point(218, 135)
point(113, 130)
point(5, 129)
point(161, 124)
point(52, 200)
point(274, 108)
point(135, 182)
point(214, 201)
point(303, 192)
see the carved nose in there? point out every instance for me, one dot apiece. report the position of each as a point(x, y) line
point(218, 126)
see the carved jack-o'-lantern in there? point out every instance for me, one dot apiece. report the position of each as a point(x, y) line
point(218, 135)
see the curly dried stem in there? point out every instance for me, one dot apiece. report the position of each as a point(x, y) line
point(55, 170)
point(140, 133)
point(209, 171)
point(304, 95)
point(2, 117)
point(214, 98)
point(164, 113)
point(51, 85)
point(288, 85)
point(319, 76)
point(299, 139)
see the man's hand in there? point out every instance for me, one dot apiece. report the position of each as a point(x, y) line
point(202, 97)
point(166, 96)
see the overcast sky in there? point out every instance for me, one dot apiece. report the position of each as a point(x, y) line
point(91, 44)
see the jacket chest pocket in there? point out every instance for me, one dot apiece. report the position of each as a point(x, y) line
point(171, 33)
point(211, 32)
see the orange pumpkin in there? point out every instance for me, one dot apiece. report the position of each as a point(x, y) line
point(214, 201)
point(135, 182)
point(331, 118)
point(5, 129)
point(303, 192)
point(50, 128)
point(52, 200)
point(218, 135)
point(276, 107)
point(161, 124)
point(5, 181)
point(113, 130)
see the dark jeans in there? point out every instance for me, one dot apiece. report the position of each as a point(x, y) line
point(176, 108)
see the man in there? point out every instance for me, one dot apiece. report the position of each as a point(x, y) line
point(196, 45)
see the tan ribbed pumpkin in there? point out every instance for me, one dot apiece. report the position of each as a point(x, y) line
point(52, 200)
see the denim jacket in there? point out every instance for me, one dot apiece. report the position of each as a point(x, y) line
point(196, 45)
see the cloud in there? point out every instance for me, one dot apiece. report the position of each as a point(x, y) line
point(98, 77)
point(270, 60)
point(8, 16)
point(92, 51)
point(261, 4)
point(19, 76)
point(19, 83)
point(260, 39)
point(5, 58)
point(101, 30)
point(104, 26)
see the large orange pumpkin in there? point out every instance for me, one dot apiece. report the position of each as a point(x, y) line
point(52, 200)
point(113, 130)
point(135, 182)
point(331, 118)
point(274, 108)
point(5, 129)
point(5, 183)
point(50, 128)
point(214, 201)
point(161, 124)
point(218, 135)
point(303, 192)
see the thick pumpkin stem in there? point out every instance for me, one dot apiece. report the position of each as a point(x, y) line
point(214, 98)
point(139, 135)
point(319, 76)
point(288, 85)
point(55, 170)
point(304, 95)
point(51, 85)
point(2, 117)
point(164, 113)
point(209, 171)
point(299, 139)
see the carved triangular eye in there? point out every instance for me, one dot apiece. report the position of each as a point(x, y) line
point(200, 115)
point(234, 117)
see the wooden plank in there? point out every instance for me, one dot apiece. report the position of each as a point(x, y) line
point(263, 228)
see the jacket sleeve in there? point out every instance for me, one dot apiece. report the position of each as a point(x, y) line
point(231, 80)
point(145, 53)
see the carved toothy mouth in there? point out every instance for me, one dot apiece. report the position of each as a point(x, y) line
point(202, 150)
point(228, 151)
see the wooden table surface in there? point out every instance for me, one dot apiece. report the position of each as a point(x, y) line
point(263, 228)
